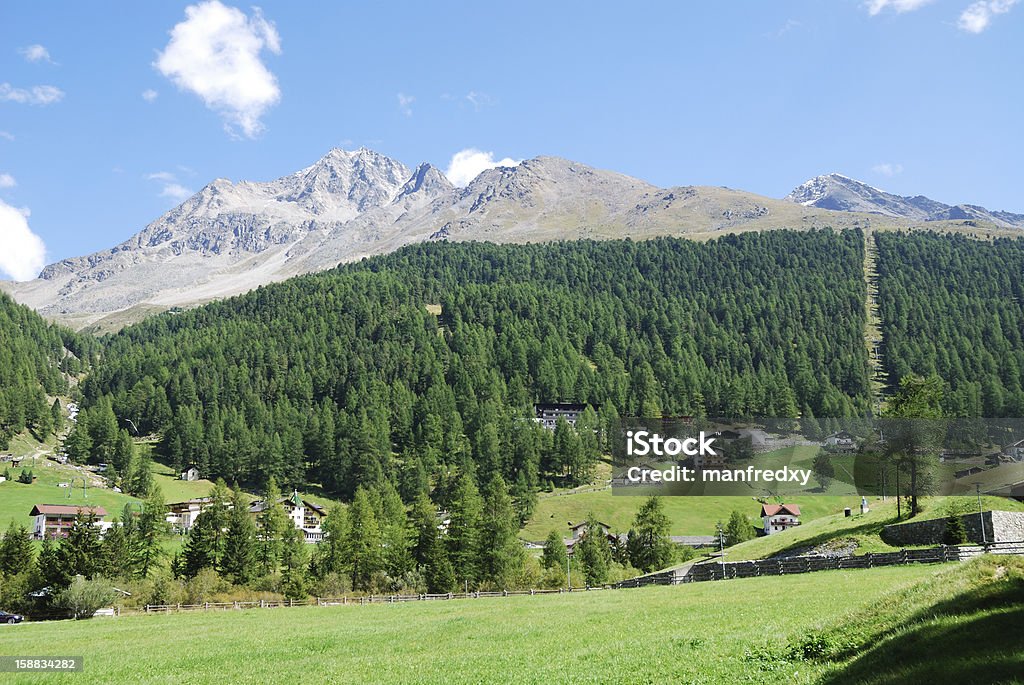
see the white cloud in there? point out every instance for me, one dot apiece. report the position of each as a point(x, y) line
point(469, 163)
point(405, 103)
point(169, 185)
point(176, 191)
point(978, 15)
point(6, 135)
point(36, 95)
point(7, 181)
point(898, 6)
point(479, 100)
point(149, 95)
point(36, 53)
point(887, 169)
point(22, 252)
point(215, 53)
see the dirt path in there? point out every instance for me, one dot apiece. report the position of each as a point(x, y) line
point(878, 378)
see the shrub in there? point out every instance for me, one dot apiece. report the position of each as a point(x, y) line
point(83, 597)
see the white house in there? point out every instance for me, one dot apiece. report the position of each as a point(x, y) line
point(191, 473)
point(842, 441)
point(779, 517)
point(182, 515)
point(548, 414)
point(305, 515)
point(55, 520)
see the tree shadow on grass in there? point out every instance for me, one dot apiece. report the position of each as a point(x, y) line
point(987, 647)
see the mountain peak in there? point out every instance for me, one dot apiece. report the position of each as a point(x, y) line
point(841, 193)
point(426, 179)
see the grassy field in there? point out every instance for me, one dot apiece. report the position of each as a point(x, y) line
point(863, 529)
point(727, 632)
point(689, 515)
point(16, 499)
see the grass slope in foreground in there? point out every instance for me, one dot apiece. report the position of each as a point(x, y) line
point(725, 632)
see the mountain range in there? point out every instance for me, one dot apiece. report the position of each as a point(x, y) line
point(844, 194)
point(231, 237)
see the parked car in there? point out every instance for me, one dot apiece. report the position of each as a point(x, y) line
point(10, 618)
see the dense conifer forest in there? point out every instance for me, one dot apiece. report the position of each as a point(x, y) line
point(401, 366)
point(954, 307)
point(35, 361)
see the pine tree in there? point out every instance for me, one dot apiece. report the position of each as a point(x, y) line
point(79, 554)
point(151, 529)
point(201, 548)
point(554, 554)
point(464, 531)
point(238, 562)
point(272, 525)
point(364, 541)
point(502, 554)
point(423, 529)
point(16, 555)
point(57, 416)
point(648, 545)
point(595, 555)
point(738, 529)
point(823, 469)
point(394, 534)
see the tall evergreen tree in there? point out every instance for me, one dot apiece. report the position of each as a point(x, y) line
point(239, 559)
point(364, 541)
point(502, 554)
point(595, 555)
point(16, 555)
point(648, 545)
point(464, 531)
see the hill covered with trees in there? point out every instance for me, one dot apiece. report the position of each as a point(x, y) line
point(35, 361)
point(954, 307)
point(408, 366)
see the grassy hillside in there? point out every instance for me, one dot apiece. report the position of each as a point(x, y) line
point(707, 633)
point(16, 499)
point(864, 530)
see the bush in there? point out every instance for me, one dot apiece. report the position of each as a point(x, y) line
point(25, 477)
point(332, 585)
point(83, 597)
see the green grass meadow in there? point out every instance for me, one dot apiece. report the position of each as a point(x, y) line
point(718, 632)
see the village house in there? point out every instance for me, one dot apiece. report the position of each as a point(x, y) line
point(581, 529)
point(191, 473)
point(182, 515)
point(305, 515)
point(842, 441)
point(54, 520)
point(548, 414)
point(779, 517)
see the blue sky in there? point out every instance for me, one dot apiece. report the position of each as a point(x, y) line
point(107, 119)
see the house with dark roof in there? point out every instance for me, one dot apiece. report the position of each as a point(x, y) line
point(55, 520)
point(779, 517)
point(548, 414)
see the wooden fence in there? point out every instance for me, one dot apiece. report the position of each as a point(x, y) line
point(356, 600)
point(693, 574)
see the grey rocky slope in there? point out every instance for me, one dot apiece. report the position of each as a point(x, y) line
point(231, 237)
point(841, 193)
